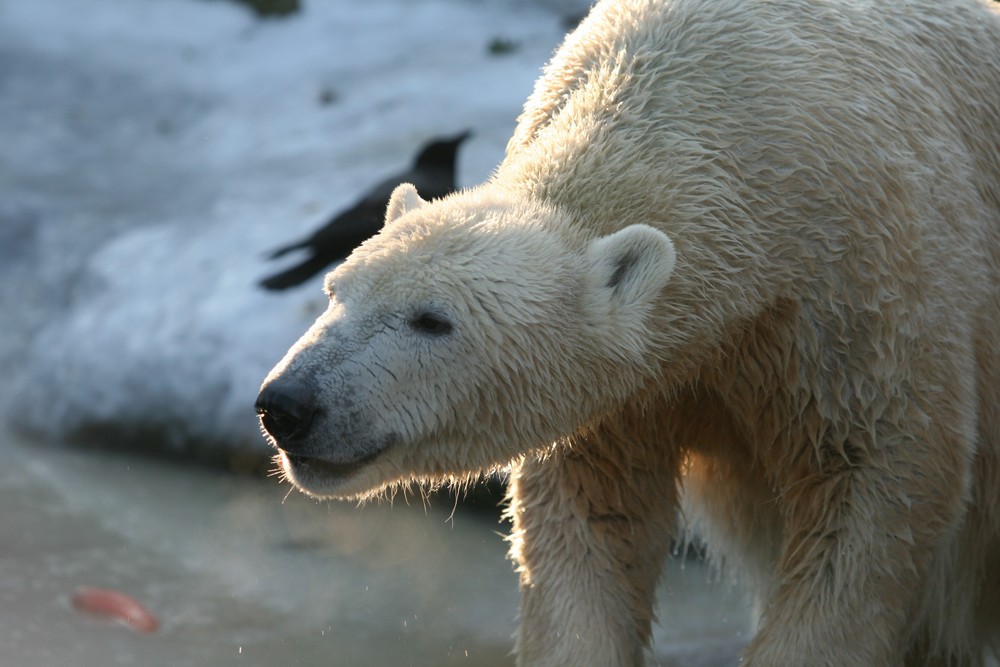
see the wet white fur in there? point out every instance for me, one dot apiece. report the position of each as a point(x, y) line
point(739, 271)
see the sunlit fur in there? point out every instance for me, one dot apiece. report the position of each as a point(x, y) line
point(741, 264)
point(520, 296)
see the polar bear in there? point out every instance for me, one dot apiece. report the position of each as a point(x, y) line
point(738, 273)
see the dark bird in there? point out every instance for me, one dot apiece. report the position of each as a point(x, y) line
point(433, 174)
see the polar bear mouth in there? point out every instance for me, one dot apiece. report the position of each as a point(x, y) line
point(326, 468)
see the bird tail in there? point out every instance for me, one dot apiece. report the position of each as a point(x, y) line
point(285, 249)
point(296, 275)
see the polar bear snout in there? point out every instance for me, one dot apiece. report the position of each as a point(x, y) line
point(287, 410)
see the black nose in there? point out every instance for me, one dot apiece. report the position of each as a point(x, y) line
point(286, 411)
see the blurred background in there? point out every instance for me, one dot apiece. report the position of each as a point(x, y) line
point(153, 155)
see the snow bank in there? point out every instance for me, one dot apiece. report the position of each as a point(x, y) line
point(153, 153)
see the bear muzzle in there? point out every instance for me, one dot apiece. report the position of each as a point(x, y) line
point(317, 460)
point(287, 411)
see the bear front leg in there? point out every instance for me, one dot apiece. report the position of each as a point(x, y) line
point(858, 552)
point(592, 526)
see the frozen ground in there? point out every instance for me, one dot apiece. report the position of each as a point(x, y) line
point(152, 152)
point(238, 576)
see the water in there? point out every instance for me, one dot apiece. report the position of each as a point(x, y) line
point(240, 574)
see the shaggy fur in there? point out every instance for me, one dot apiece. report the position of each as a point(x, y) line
point(739, 265)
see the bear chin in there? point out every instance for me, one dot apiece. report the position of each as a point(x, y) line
point(324, 479)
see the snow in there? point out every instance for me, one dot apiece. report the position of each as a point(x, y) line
point(154, 151)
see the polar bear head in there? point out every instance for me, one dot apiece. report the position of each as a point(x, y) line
point(469, 331)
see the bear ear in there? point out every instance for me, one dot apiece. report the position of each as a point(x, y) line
point(629, 268)
point(403, 200)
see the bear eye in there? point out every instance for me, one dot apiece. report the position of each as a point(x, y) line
point(429, 323)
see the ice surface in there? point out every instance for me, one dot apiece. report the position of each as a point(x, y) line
point(238, 577)
point(154, 151)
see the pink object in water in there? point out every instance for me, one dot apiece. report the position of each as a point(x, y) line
point(115, 604)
